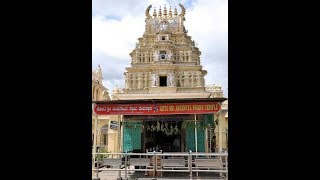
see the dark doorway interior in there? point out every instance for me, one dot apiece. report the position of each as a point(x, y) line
point(160, 140)
point(163, 81)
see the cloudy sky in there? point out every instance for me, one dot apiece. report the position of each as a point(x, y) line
point(117, 25)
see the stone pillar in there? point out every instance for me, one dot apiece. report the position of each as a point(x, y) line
point(126, 81)
point(148, 57)
point(170, 80)
point(186, 79)
point(202, 81)
point(139, 80)
point(192, 79)
point(134, 81)
point(157, 80)
point(154, 80)
point(146, 84)
point(130, 81)
point(120, 132)
point(174, 80)
point(198, 79)
point(221, 126)
point(143, 80)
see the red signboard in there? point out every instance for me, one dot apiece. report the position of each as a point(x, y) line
point(158, 109)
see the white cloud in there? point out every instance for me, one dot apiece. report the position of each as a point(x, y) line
point(117, 25)
point(118, 8)
point(116, 37)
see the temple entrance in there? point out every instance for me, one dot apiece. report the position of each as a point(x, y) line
point(169, 133)
point(162, 135)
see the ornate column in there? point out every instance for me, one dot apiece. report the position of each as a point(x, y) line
point(198, 79)
point(148, 57)
point(143, 80)
point(134, 81)
point(178, 81)
point(170, 80)
point(154, 80)
point(192, 79)
point(202, 81)
point(139, 80)
point(195, 82)
point(174, 80)
point(170, 55)
point(131, 81)
point(146, 83)
point(186, 79)
point(156, 56)
point(126, 81)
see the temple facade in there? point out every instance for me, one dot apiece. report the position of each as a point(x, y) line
point(166, 68)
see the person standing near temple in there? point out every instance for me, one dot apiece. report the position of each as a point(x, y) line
point(213, 144)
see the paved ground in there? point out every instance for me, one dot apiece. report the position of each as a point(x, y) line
point(114, 175)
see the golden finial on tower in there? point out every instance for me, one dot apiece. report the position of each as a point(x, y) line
point(160, 12)
point(165, 11)
point(154, 12)
point(170, 12)
point(175, 11)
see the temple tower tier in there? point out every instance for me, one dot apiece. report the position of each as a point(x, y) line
point(165, 58)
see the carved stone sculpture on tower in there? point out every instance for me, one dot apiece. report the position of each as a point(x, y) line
point(154, 80)
point(171, 80)
point(156, 55)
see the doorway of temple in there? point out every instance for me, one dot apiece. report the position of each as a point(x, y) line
point(162, 135)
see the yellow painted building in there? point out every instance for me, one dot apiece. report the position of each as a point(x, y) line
point(165, 65)
point(107, 131)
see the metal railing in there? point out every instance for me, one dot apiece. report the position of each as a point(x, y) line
point(154, 162)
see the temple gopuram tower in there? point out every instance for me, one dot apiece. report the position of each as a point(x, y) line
point(165, 62)
point(165, 103)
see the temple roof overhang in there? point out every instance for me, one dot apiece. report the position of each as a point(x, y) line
point(173, 100)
